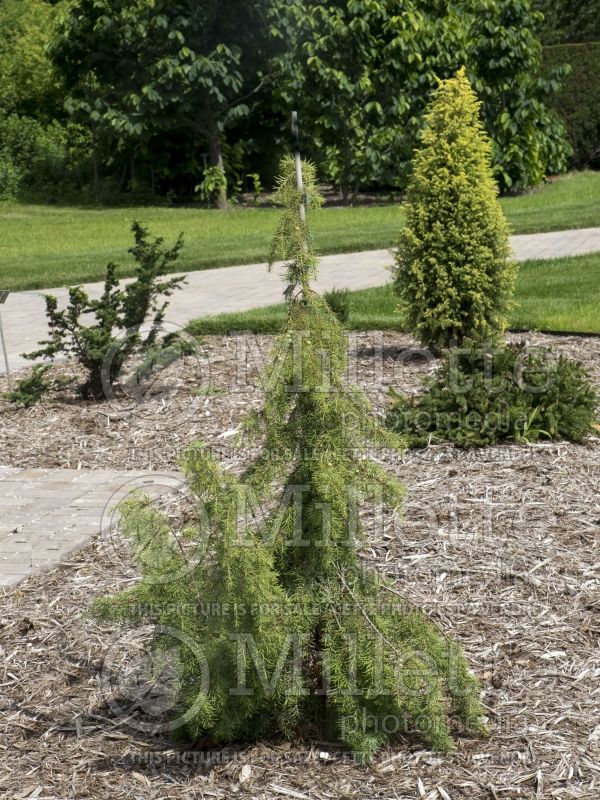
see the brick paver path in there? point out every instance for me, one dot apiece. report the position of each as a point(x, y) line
point(45, 515)
point(239, 288)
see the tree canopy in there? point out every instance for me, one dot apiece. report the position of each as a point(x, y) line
point(353, 70)
point(163, 65)
point(189, 98)
point(504, 58)
point(361, 71)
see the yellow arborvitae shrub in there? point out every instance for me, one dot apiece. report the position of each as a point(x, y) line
point(452, 264)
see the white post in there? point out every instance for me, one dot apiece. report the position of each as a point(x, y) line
point(299, 181)
point(10, 385)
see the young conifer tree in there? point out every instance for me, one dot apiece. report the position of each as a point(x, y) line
point(452, 269)
point(306, 641)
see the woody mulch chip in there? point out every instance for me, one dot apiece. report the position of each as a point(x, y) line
point(501, 547)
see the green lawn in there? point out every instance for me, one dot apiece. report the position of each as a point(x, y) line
point(45, 246)
point(558, 295)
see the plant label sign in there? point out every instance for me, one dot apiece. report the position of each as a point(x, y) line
point(3, 296)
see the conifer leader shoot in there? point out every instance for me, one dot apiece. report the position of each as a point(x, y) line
point(311, 644)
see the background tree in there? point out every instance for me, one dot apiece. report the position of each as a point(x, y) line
point(321, 651)
point(452, 268)
point(29, 85)
point(504, 59)
point(571, 33)
point(162, 65)
point(353, 69)
point(169, 94)
point(361, 72)
point(578, 102)
point(40, 152)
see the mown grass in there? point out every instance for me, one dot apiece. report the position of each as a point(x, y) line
point(47, 246)
point(562, 294)
point(43, 247)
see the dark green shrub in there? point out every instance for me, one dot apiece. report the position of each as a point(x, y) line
point(452, 270)
point(484, 395)
point(338, 301)
point(578, 102)
point(104, 346)
point(317, 641)
point(569, 21)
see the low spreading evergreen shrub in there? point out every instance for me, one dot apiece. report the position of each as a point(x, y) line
point(103, 346)
point(452, 270)
point(485, 395)
point(301, 639)
point(31, 389)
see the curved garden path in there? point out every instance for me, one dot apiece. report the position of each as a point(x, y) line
point(47, 514)
point(214, 291)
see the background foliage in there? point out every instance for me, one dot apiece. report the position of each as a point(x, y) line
point(569, 20)
point(190, 100)
point(578, 103)
point(504, 58)
point(159, 66)
point(361, 72)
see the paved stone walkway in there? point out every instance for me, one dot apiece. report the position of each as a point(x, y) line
point(45, 515)
point(251, 286)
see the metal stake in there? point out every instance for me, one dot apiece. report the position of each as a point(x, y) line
point(299, 181)
point(10, 384)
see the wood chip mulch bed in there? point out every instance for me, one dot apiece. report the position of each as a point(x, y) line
point(500, 545)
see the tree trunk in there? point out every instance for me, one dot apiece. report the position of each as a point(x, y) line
point(216, 160)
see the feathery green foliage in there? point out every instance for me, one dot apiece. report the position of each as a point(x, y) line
point(484, 395)
point(306, 641)
point(452, 269)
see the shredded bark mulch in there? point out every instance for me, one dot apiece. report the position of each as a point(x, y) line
point(203, 396)
point(499, 545)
